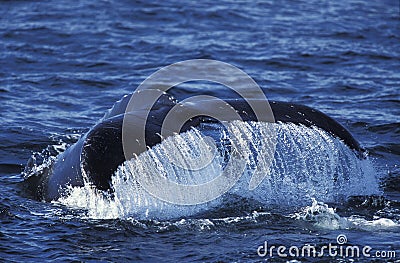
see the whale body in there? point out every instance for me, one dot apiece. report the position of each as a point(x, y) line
point(98, 153)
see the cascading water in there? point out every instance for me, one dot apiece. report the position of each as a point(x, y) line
point(307, 163)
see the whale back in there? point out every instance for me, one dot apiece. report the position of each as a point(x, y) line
point(98, 153)
point(103, 151)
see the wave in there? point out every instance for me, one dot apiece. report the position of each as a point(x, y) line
point(320, 215)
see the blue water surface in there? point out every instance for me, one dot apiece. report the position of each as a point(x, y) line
point(63, 64)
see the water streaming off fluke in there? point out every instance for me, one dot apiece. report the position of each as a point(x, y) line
point(308, 163)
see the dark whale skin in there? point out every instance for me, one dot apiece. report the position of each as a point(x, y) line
point(99, 152)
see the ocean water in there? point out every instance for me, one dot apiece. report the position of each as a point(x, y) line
point(64, 64)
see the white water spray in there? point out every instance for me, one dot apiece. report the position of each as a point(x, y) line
point(308, 163)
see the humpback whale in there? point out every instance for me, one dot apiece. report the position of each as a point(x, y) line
point(98, 153)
